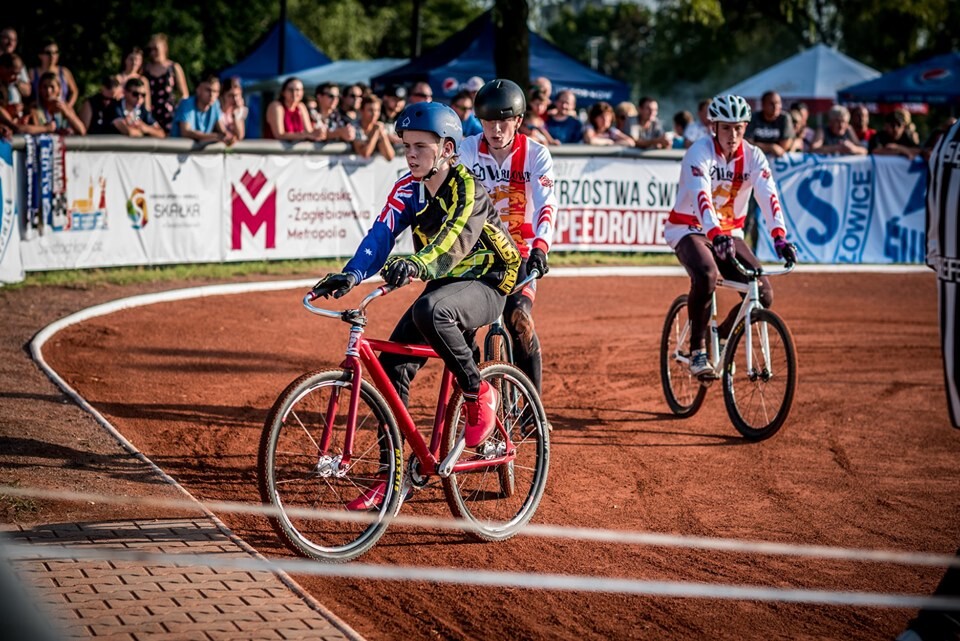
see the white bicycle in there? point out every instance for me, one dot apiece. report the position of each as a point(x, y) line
point(757, 364)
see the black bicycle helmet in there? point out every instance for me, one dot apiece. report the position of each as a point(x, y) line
point(499, 99)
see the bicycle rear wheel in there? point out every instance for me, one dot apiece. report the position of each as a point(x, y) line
point(683, 392)
point(498, 500)
point(758, 398)
point(295, 475)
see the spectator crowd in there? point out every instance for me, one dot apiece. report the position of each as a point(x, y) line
point(150, 96)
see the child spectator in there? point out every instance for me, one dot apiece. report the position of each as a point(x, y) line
point(681, 120)
point(700, 128)
point(372, 134)
point(234, 111)
point(52, 114)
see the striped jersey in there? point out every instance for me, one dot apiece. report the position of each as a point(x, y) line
point(943, 205)
point(456, 233)
point(522, 188)
point(714, 195)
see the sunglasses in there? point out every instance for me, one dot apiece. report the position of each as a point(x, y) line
point(332, 96)
point(462, 108)
point(422, 95)
point(51, 52)
point(354, 95)
point(139, 94)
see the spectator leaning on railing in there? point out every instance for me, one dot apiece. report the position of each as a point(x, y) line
point(600, 129)
point(233, 108)
point(337, 125)
point(288, 118)
point(97, 111)
point(650, 133)
point(198, 117)
point(20, 84)
point(130, 114)
point(372, 134)
point(771, 129)
point(563, 124)
point(894, 139)
point(838, 137)
point(52, 114)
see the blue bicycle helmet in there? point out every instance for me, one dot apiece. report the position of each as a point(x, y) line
point(432, 116)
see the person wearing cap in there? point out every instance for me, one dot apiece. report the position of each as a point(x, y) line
point(517, 171)
point(462, 251)
point(473, 85)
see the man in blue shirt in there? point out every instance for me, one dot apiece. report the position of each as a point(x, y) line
point(198, 117)
point(462, 103)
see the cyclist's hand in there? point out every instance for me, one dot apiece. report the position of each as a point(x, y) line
point(399, 271)
point(538, 261)
point(337, 284)
point(723, 246)
point(786, 251)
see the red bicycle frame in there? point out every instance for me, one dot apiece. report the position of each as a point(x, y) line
point(361, 355)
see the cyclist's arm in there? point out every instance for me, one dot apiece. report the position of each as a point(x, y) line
point(697, 182)
point(380, 240)
point(460, 231)
point(765, 191)
point(544, 200)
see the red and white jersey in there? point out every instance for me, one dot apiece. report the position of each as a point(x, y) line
point(521, 188)
point(714, 195)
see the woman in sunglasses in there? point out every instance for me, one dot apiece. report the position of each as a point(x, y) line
point(50, 62)
point(131, 116)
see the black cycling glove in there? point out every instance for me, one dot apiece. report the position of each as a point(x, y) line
point(337, 284)
point(538, 261)
point(399, 272)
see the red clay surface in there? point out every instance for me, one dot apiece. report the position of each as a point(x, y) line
point(867, 458)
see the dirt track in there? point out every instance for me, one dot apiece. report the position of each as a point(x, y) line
point(866, 459)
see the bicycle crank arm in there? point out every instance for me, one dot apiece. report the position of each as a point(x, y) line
point(446, 466)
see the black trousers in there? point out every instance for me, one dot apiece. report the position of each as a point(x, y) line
point(696, 255)
point(526, 355)
point(444, 312)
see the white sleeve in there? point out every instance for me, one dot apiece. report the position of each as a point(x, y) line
point(544, 198)
point(765, 192)
point(695, 183)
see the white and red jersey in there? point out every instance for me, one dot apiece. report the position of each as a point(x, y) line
point(714, 195)
point(521, 188)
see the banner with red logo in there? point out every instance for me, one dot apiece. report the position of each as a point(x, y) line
point(133, 209)
point(613, 204)
point(291, 207)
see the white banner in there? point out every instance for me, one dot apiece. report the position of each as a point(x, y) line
point(292, 207)
point(613, 204)
point(11, 266)
point(133, 209)
point(853, 209)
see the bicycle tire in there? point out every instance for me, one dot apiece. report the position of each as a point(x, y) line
point(497, 501)
point(292, 474)
point(497, 346)
point(684, 393)
point(759, 401)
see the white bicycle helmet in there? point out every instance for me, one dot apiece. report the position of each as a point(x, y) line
point(729, 108)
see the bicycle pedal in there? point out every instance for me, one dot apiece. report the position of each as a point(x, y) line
point(708, 377)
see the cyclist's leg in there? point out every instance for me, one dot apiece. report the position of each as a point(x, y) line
point(401, 369)
point(518, 319)
point(696, 255)
point(444, 311)
point(746, 256)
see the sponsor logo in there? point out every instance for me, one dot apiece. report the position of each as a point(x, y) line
point(450, 86)
point(90, 213)
point(546, 182)
point(933, 76)
point(253, 204)
point(137, 210)
point(696, 172)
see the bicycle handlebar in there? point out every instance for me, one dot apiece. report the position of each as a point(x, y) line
point(381, 291)
point(756, 273)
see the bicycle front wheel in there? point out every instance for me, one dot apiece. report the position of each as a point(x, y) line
point(759, 396)
point(498, 499)
point(683, 392)
point(299, 476)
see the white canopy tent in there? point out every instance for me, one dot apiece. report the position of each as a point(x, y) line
point(341, 72)
point(813, 76)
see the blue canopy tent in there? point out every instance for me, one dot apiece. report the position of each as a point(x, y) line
point(263, 61)
point(470, 53)
point(935, 81)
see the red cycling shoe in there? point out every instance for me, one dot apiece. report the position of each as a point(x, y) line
point(481, 415)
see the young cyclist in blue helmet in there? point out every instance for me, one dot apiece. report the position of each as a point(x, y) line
point(462, 250)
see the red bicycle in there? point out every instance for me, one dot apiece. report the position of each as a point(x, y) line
point(332, 442)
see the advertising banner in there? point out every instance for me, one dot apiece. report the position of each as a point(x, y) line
point(613, 204)
point(11, 267)
point(851, 209)
point(130, 209)
point(293, 207)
